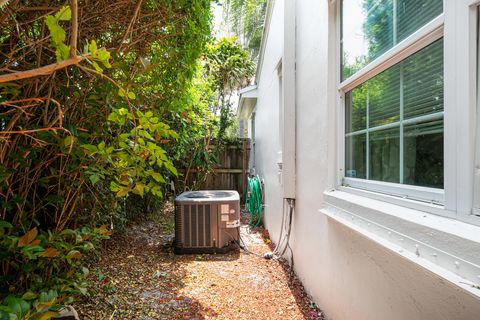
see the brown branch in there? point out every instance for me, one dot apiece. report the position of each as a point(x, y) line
point(74, 36)
point(7, 11)
point(130, 26)
point(41, 8)
point(33, 131)
point(42, 71)
point(23, 100)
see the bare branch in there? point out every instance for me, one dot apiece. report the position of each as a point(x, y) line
point(32, 131)
point(74, 36)
point(42, 71)
point(130, 26)
point(42, 8)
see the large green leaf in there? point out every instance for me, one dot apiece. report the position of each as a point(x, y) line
point(19, 306)
point(56, 31)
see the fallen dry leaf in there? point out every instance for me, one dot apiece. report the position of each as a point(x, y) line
point(160, 285)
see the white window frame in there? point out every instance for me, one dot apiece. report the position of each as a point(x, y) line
point(476, 187)
point(458, 27)
point(465, 53)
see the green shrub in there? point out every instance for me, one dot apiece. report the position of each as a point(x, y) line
point(44, 270)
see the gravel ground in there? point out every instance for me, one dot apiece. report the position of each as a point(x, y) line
point(138, 277)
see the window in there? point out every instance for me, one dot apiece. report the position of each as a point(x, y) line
point(409, 124)
point(394, 117)
point(394, 122)
point(409, 106)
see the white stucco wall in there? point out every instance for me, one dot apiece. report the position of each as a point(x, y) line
point(267, 140)
point(348, 275)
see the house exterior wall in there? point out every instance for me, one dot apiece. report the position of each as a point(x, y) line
point(348, 275)
point(267, 139)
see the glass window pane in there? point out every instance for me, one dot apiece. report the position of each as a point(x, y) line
point(367, 28)
point(384, 97)
point(385, 155)
point(371, 27)
point(413, 14)
point(356, 109)
point(423, 81)
point(423, 154)
point(355, 156)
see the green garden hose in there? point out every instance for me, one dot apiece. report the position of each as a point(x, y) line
point(253, 201)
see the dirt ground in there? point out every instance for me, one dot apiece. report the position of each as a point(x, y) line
point(139, 277)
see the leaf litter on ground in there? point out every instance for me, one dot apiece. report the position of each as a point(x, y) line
point(139, 277)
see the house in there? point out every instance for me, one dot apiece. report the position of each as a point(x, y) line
point(365, 122)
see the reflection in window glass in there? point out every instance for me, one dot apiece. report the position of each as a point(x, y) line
point(423, 156)
point(413, 14)
point(384, 97)
point(356, 109)
point(356, 156)
point(371, 27)
point(384, 155)
point(394, 122)
point(423, 82)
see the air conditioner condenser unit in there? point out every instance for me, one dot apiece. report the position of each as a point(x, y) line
point(206, 221)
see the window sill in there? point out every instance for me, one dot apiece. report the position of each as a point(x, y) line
point(419, 195)
point(446, 247)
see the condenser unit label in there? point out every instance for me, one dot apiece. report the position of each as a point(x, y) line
point(225, 217)
point(233, 224)
point(224, 208)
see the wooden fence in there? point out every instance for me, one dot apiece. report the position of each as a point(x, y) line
point(230, 174)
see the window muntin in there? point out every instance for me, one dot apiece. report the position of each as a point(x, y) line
point(372, 27)
point(394, 123)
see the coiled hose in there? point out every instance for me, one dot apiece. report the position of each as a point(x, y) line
point(253, 201)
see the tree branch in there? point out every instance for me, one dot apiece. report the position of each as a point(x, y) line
point(42, 71)
point(42, 8)
point(74, 36)
point(130, 25)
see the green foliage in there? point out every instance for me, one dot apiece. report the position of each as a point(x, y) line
point(47, 267)
point(118, 128)
point(246, 18)
point(91, 146)
point(228, 67)
point(97, 55)
point(228, 64)
point(57, 33)
point(205, 125)
point(133, 160)
point(99, 143)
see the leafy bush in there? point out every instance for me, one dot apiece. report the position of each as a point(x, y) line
point(82, 143)
point(47, 269)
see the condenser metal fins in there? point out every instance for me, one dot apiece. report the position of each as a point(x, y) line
point(178, 225)
point(201, 227)
point(208, 241)
point(206, 221)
